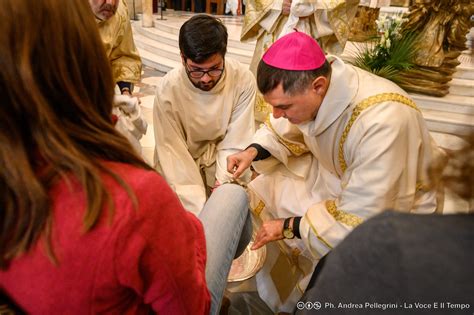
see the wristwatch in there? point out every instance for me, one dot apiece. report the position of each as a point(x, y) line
point(287, 230)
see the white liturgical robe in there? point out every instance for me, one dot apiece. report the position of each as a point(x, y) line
point(196, 130)
point(367, 150)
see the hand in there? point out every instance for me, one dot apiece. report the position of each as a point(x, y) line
point(269, 231)
point(237, 163)
point(285, 9)
point(126, 92)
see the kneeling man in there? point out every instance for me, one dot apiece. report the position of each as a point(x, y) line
point(203, 112)
point(342, 146)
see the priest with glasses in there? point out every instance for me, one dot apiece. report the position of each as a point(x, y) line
point(203, 112)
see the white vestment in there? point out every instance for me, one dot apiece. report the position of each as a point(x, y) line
point(367, 150)
point(130, 121)
point(196, 130)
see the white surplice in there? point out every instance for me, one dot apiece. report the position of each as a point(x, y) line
point(367, 150)
point(196, 130)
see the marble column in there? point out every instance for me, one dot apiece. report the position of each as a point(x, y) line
point(147, 17)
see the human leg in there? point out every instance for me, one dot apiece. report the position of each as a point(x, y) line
point(224, 216)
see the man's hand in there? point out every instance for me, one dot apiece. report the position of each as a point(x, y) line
point(269, 231)
point(126, 91)
point(237, 163)
point(285, 9)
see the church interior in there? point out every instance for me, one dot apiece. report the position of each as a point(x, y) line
point(449, 118)
point(320, 258)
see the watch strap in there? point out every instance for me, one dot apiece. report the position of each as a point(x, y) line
point(296, 227)
point(286, 224)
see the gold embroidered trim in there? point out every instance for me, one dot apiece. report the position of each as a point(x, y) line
point(295, 253)
point(299, 287)
point(293, 147)
point(259, 208)
point(316, 232)
point(255, 11)
point(342, 216)
point(422, 187)
point(292, 259)
point(364, 104)
point(261, 106)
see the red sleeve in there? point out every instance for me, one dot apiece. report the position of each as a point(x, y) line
point(161, 252)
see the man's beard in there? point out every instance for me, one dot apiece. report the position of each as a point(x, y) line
point(205, 86)
point(108, 7)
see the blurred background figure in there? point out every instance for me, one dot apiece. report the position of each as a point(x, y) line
point(327, 21)
point(116, 32)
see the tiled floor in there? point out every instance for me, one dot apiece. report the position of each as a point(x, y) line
point(177, 18)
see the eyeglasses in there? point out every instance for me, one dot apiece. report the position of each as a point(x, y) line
point(200, 73)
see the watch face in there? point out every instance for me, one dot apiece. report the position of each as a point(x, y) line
point(288, 234)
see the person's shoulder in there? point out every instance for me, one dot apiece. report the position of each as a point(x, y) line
point(375, 239)
point(424, 224)
point(122, 10)
point(237, 67)
point(383, 218)
point(135, 177)
point(388, 224)
point(147, 186)
point(407, 232)
point(240, 73)
point(119, 20)
point(386, 105)
point(171, 85)
point(233, 63)
point(379, 221)
point(172, 77)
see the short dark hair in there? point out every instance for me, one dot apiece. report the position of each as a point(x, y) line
point(293, 81)
point(202, 36)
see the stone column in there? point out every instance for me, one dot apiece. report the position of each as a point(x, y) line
point(147, 17)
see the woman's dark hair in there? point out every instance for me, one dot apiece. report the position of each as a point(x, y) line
point(202, 36)
point(268, 78)
point(55, 117)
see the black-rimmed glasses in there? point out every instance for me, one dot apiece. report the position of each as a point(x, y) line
point(197, 74)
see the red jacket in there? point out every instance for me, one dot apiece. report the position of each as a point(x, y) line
point(152, 257)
